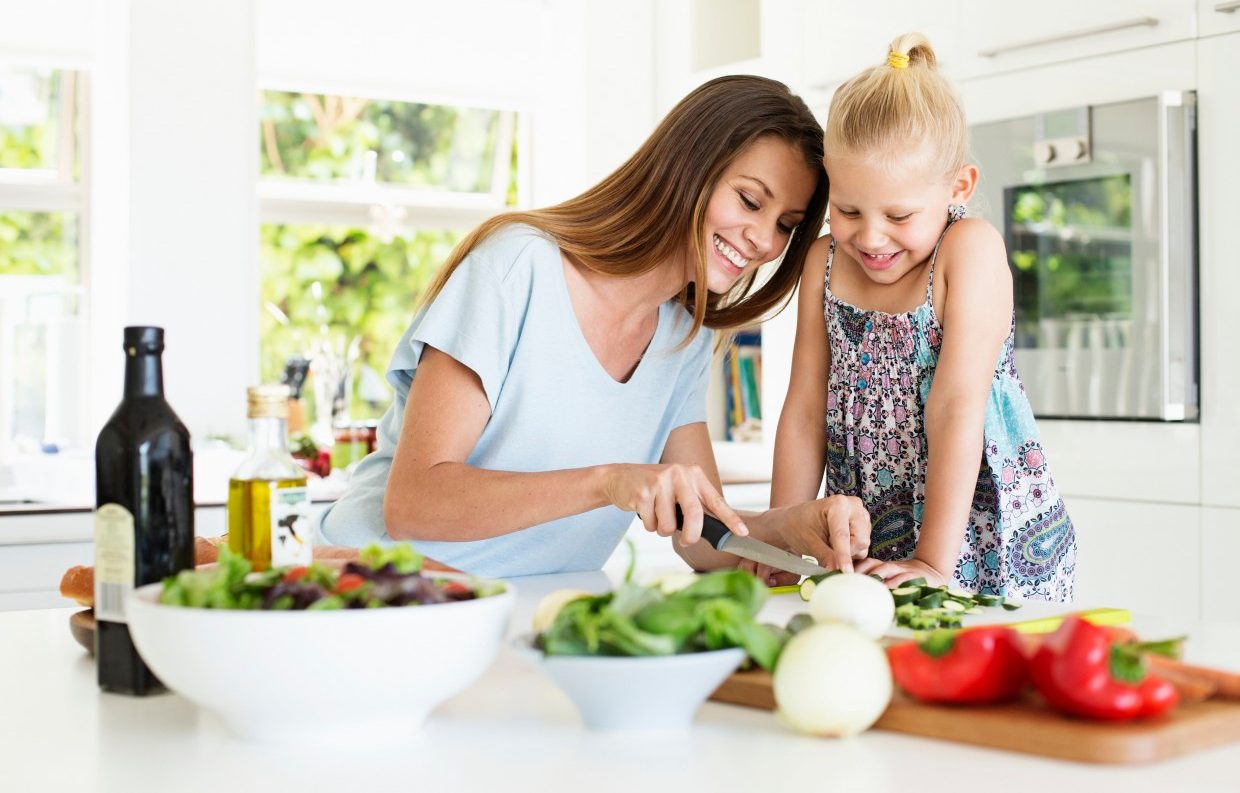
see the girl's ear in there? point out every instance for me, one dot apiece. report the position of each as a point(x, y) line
point(964, 184)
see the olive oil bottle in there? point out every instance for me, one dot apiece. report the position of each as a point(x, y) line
point(144, 508)
point(268, 507)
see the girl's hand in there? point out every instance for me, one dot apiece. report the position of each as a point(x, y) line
point(834, 530)
point(654, 491)
point(896, 573)
point(771, 576)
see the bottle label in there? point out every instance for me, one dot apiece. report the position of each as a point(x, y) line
point(292, 540)
point(114, 562)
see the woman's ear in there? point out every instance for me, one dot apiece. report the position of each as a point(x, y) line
point(964, 184)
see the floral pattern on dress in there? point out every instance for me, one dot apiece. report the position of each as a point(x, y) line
point(1020, 541)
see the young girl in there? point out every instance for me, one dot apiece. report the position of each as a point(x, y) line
point(552, 383)
point(926, 418)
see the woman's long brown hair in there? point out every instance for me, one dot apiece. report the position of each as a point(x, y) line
point(651, 209)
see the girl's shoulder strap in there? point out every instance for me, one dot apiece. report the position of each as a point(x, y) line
point(934, 257)
point(826, 281)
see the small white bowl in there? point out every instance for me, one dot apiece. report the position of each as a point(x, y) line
point(354, 675)
point(641, 693)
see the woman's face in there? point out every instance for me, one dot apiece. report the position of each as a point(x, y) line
point(757, 203)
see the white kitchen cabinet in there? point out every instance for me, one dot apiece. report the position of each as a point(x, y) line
point(1220, 548)
point(1217, 16)
point(1005, 37)
point(1218, 116)
point(1142, 556)
point(840, 39)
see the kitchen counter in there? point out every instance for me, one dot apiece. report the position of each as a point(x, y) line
point(512, 730)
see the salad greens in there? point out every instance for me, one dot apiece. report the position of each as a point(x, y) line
point(717, 610)
point(382, 576)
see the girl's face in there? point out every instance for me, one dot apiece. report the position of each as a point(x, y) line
point(889, 216)
point(757, 203)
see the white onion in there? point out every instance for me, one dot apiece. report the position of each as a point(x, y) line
point(854, 599)
point(832, 680)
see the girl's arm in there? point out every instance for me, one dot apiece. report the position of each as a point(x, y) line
point(433, 495)
point(800, 440)
point(976, 320)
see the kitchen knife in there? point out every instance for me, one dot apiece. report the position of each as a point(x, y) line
point(722, 539)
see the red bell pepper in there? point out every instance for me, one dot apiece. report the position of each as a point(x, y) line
point(967, 667)
point(1081, 671)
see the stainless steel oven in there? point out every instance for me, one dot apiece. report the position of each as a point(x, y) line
point(1098, 208)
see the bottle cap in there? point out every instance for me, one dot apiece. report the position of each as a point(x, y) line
point(144, 340)
point(267, 401)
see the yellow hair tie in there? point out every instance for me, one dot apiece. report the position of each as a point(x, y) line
point(897, 60)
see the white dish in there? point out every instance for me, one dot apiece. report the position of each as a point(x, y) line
point(357, 675)
point(646, 693)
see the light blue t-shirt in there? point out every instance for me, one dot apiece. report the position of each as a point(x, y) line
point(506, 314)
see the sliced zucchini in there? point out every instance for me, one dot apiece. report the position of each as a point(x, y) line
point(807, 589)
point(954, 605)
point(906, 594)
point(799, 622)
point(959, 594)
point(931, 601)
point(989, 600)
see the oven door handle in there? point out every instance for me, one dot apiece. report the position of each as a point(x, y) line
point(1177, 254)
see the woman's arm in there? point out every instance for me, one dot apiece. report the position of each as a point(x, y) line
point(433, 495)
point(800, 440)
point(976, 318)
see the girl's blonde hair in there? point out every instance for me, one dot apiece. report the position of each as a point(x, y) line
point(903, 106)
point(651, 210)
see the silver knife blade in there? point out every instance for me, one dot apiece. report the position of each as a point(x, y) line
point(764, 553)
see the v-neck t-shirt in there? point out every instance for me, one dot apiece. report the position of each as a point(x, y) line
point(506, 314)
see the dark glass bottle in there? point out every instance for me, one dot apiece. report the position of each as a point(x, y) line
point(144, 508)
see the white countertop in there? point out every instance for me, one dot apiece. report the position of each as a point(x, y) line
point(512, 730)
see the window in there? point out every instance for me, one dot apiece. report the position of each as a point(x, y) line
point(361, 200)
point(41, 228)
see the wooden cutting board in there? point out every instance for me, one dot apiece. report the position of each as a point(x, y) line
point(1030, 728)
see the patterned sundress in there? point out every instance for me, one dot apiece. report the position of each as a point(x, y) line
point(1020, 542)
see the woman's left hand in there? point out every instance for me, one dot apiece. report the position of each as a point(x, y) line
point(896, 573)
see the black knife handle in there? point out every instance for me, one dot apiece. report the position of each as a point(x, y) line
point(713, 530)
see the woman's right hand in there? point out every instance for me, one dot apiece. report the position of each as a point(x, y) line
point(654, 492)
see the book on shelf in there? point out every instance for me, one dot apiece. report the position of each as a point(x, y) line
point(743, 379)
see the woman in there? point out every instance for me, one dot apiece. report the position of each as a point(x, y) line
point(554, 377)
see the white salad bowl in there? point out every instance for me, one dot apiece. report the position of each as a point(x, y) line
point(354, 675)
point(636, 693)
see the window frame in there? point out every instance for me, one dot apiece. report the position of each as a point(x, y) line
point(65, 188)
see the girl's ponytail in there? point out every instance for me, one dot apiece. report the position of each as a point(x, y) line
point(903, 106)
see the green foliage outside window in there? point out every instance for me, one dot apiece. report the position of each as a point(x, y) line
point(367, 288)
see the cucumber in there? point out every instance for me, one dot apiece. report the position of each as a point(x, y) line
point(951, 621)
point(807, 586)
point(989, 600)
point(1009, 606)
point(807, 589)
point(915, 582)
point(974, 610)
point(954, 605)
point(906, 594)
point(931, 601)
point(799, 622)
point(959, 594)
